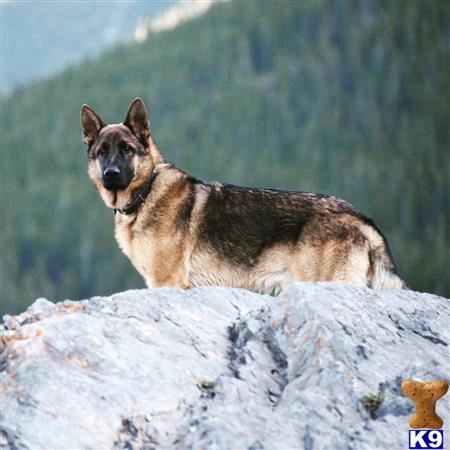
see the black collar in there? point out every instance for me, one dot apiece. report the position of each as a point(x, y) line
point(140, 197)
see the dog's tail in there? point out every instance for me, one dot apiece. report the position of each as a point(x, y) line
point(382, 273)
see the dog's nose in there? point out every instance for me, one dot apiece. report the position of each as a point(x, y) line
point(111, 172)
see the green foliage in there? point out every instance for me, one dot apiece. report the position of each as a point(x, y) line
point(349, 98)
point(371, 404)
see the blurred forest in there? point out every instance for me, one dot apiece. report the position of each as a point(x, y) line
point(349, 98)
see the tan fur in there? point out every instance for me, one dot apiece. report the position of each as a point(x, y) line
point(164, 257)
point(270, 274)
point(157, 254)
point(379, 275)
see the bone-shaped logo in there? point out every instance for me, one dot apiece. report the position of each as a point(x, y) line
point(425, 396)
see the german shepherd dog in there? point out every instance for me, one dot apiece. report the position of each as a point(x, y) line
point(181, 231)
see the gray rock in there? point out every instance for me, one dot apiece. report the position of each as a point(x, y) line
point(318, 367)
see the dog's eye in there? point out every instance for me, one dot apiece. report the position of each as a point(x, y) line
point(101, 151)
point(127, 148)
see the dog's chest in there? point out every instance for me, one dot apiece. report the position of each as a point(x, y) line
point(137, 246)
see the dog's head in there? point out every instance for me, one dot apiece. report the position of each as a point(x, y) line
point(119, 155)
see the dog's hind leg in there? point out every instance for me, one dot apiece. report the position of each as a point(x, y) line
point(334, 260)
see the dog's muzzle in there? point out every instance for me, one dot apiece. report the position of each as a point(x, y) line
point(113, 179)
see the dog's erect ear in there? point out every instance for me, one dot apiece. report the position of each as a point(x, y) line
point(136, 120)
point(91, 123)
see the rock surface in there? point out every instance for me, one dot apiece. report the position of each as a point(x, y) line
point(318, 367)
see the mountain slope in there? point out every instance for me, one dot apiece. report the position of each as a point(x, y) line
point(348, 98)
point(41, 38)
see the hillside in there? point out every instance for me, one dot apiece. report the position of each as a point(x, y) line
point(349, 98)
point(41, 38)
point(318, 367)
